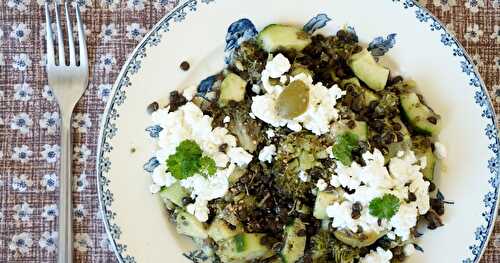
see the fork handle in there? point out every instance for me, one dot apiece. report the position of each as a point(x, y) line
point(65, 245)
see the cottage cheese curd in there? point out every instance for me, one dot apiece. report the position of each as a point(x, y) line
point(377, 256)
point(199, 209)
point(267, 153)
point(321, 109)
point(239, 156)
point(270, 133)
point(321, 185)
point(189, 123)
point(303, 176)
point(440, 150)
point(374, 180)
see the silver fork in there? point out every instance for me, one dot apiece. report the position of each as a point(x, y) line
point(68, 82)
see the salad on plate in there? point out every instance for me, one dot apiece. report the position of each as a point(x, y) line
point(303, 149)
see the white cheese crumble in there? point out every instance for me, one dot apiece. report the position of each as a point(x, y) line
point(409, 249)
point(440, 150)
point(283, 79)
point(404, 220)
point(342, 218)
point(199, 209)
point(189, 123)
point(204, 189)
point(303, 176)
point(161, 177)
point(277, 66)
point(189, 92)
point(375, 180)
point(267, 153)
point(320, 111)
point(226, 119)
point(210, 187)
point(270, 133)
point(256, 88)
point(239, 156)
point(377, 256)
point(252, 115)
point(154, 188)
point(321, 185)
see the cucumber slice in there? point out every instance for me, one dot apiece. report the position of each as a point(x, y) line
point(188, 225)
point(232, 89)
point(396, 147)
point(220, 230)
point(370, 96)
point(324, 200)
point(360, 129)
point(295, 242)
point(429, 169)
point(242, 248)
point(174, 193)
point(404, 130)
point(357, 239)
point(422, 118)
point(274, 37)
point(366, 68)
point(422, 146)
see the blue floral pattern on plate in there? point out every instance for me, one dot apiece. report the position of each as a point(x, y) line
point(237, 33)
point(206, 85)
point(380, 45)
point(316, 23)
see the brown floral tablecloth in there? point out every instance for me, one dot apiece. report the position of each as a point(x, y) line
point(29, 150)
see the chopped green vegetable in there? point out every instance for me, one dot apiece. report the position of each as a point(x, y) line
point(321, 246)
point(298, 152)
point(188, 161)
point(342, 149)
point(208, 165)
point(239, 243)
point(385, 207)
point(343, 253)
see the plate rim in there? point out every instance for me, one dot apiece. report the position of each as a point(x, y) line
point(423, 15)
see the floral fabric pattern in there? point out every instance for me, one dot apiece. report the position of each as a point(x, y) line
point(29, 115)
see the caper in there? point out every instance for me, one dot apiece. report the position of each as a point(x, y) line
point(293, 101)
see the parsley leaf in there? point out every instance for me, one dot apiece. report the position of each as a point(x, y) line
point(342, 149)
point(384, 207)
point(208, 165)
point(188, 161)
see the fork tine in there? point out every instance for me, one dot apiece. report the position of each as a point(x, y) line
point(48, 36)
point(71, 44)
point(81, 38)
point(60, 42)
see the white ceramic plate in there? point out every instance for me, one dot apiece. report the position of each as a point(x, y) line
point(196, 31)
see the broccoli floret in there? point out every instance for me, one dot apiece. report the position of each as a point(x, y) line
point(321, 247)
point(250, 61)
point(388, 105)
point(246, 129)
point(343, 253)
point(298, 153)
